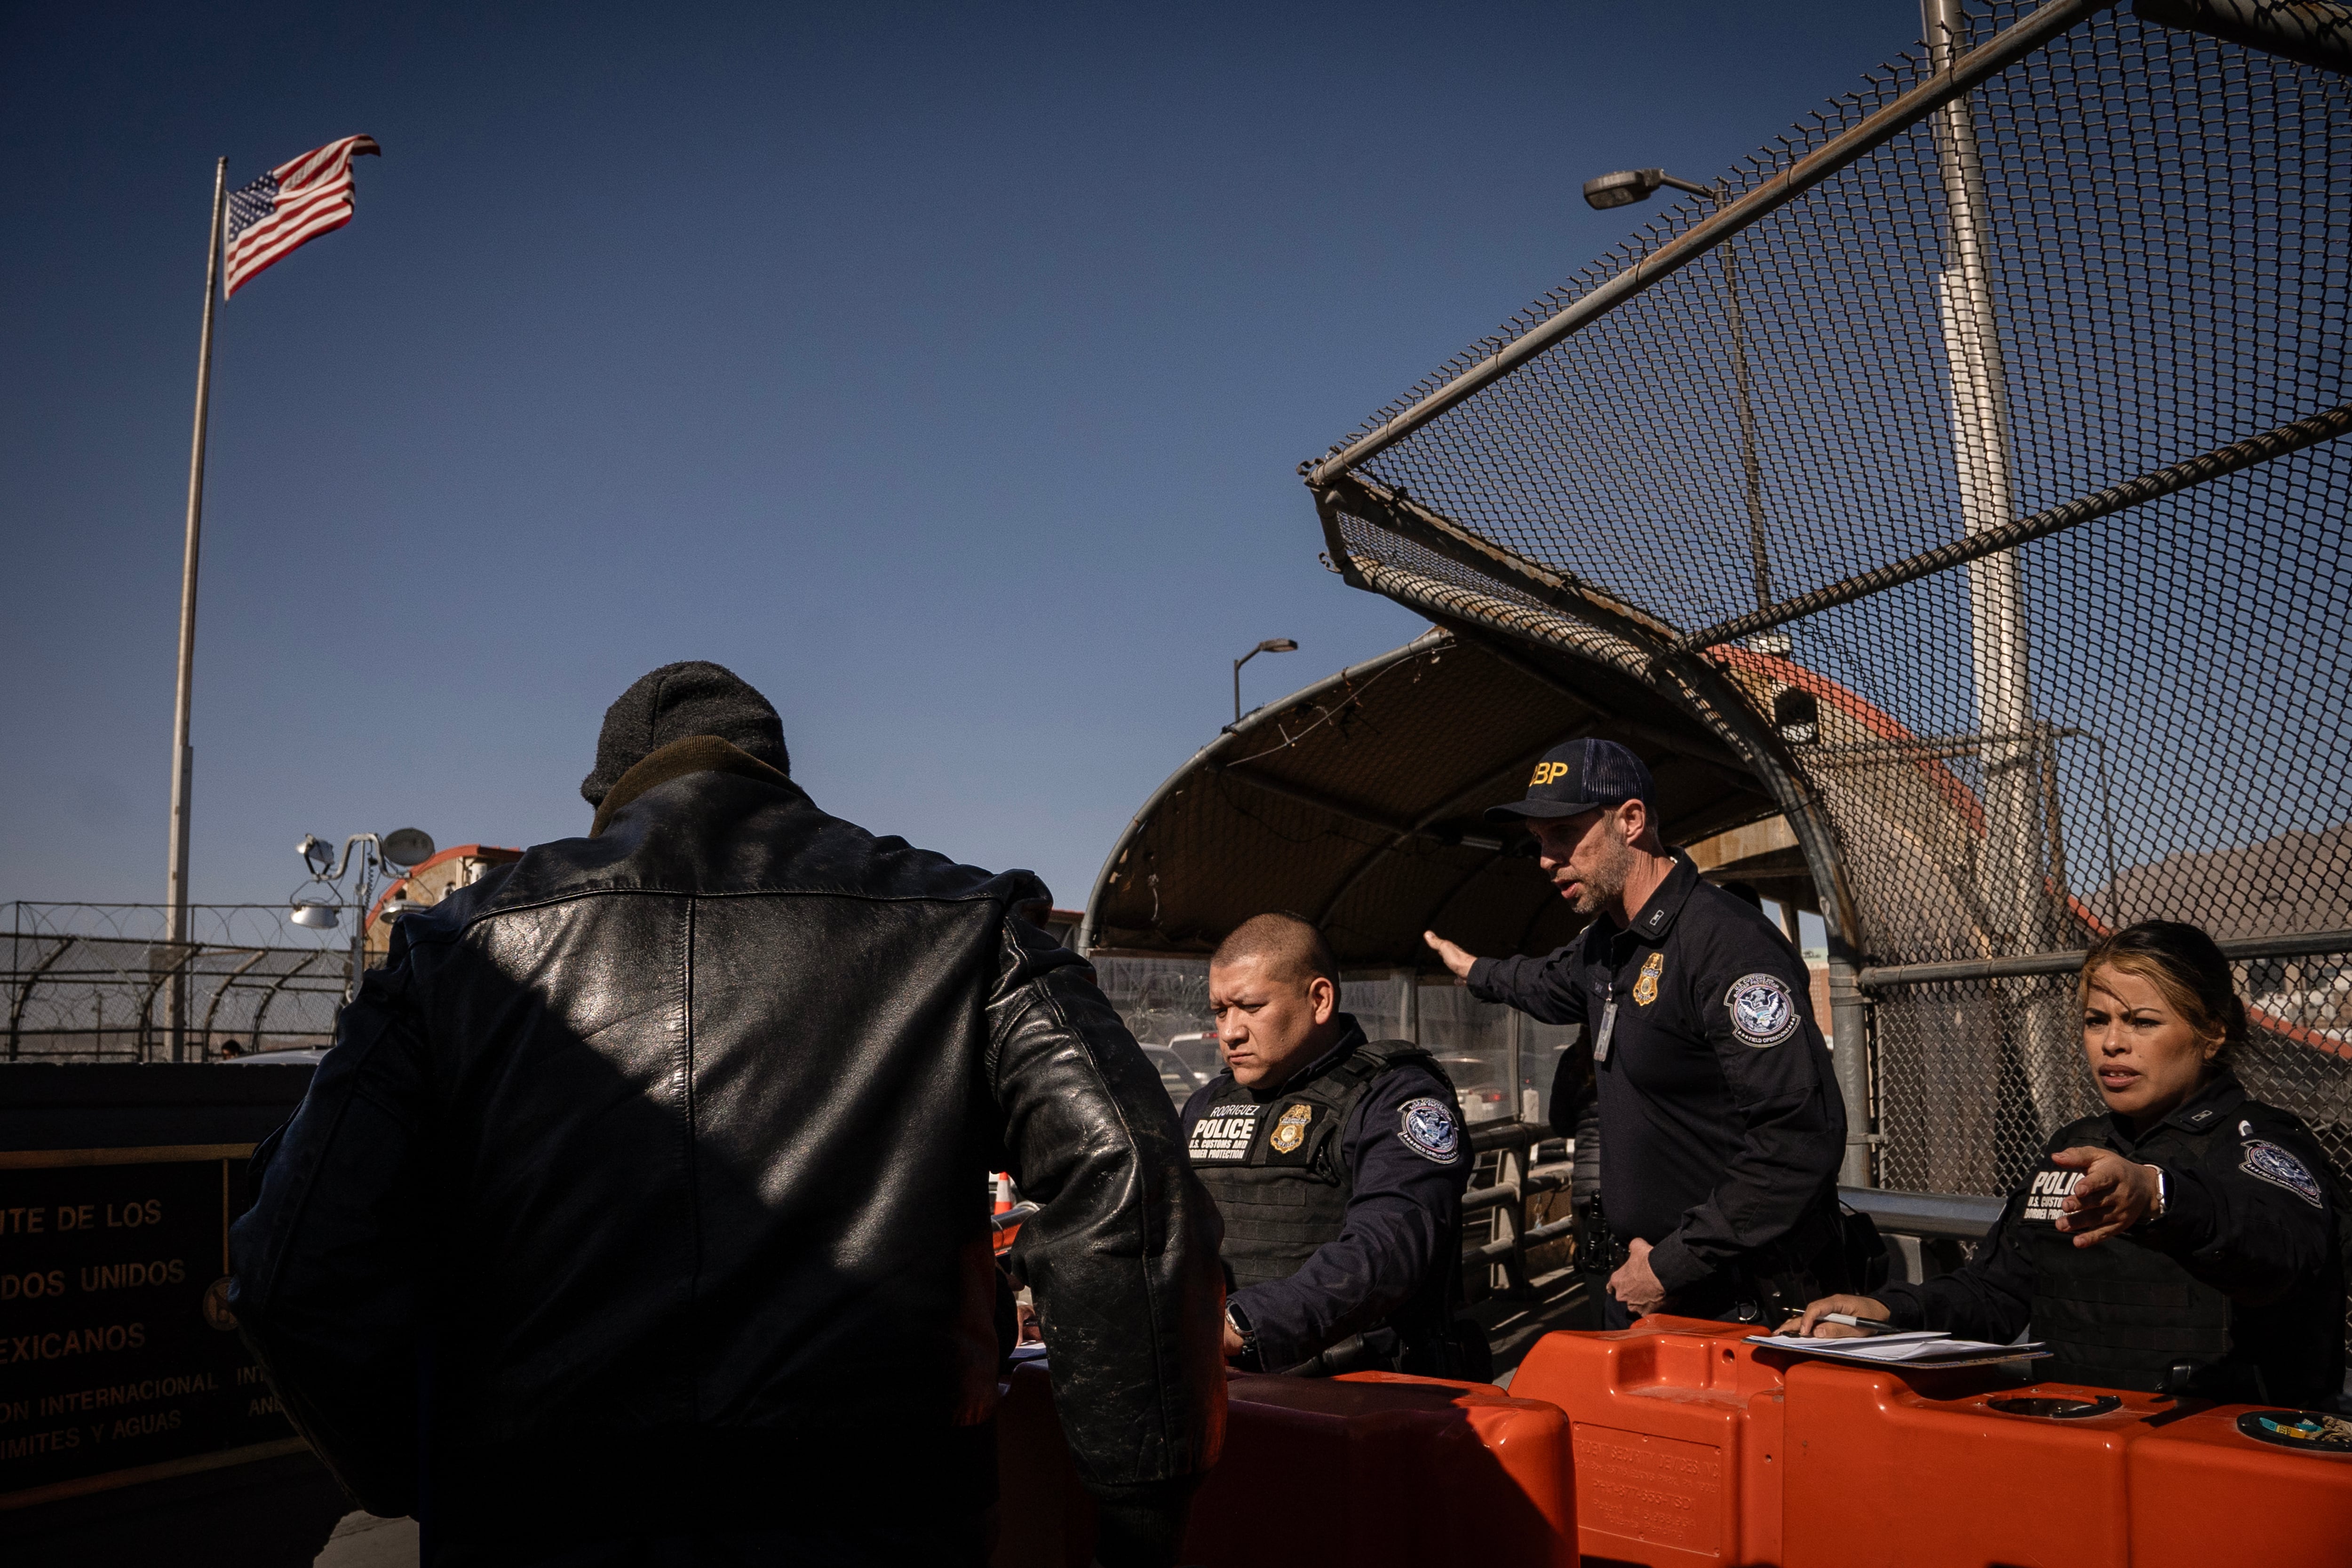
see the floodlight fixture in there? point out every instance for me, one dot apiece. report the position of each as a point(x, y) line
point(406, 846)
point(1797, 715)
point(314, 916)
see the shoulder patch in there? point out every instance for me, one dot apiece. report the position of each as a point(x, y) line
point(1426, 1127)
point(1763, 1011)
point(2266, 1162)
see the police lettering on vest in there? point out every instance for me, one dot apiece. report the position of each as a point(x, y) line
point(1340, 1193)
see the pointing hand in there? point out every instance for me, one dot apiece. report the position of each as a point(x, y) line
point(1454, 958)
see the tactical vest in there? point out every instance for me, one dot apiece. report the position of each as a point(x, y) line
point(2122, 1314)
point(1274, 1167)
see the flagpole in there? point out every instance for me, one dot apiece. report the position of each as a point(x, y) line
point(183, 753)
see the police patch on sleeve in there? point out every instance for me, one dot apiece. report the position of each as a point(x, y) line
point(2266, 1162)
point(1763, 1012)
point(1426, 1127)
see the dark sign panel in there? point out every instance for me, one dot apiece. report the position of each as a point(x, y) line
point(118, 1358)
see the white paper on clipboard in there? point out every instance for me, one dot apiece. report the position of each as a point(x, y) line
point(1921, 1348)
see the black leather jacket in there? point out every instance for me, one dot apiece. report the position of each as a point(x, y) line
point(664, 1153)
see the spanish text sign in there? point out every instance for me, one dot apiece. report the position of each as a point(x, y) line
point(118, 1358)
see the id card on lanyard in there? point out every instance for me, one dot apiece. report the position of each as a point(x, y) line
point(1608, 1027)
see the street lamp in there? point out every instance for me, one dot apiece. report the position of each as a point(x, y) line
point(1271, 645)
point(317, 905)
point(1624, 187)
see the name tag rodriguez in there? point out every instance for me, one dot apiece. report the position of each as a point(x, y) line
point(1225, 1133)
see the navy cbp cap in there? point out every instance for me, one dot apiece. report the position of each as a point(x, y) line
point(1579, 777)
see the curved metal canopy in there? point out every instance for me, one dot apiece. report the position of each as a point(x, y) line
point(1358, 803)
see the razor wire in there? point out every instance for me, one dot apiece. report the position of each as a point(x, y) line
point(91, 982)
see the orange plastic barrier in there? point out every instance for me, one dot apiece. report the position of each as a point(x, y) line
point(1924, 1468)
point(2203, 1492)
point(1928, 1468)
point(1372, 1469)
point(1677, 1437)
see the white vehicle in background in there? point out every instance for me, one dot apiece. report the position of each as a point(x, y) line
point(1178, 1078)
point(1199, 1053)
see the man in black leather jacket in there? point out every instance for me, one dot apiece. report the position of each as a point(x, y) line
point(639, 1211)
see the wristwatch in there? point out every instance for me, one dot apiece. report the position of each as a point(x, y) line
point(2158, 1212)
point(1238, 1320)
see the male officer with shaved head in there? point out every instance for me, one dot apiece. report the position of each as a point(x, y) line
point(1337, 1163)
point(1721, 1127)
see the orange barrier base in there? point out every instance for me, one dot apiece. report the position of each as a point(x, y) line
point(1918, 1468)
point(1374, 1469)
point(1677, 1440)
point(2204, 1493)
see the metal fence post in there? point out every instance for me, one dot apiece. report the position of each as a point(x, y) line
point(1850, 1053)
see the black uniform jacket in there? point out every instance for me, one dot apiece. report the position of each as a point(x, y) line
point(1402, 1205)
point(1721, 1127)
point(2253, 1217)
point(665, 1152)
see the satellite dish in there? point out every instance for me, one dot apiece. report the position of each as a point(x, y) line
point(317, 917)
point(407, 845)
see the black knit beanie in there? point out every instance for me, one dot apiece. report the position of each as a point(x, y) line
point(694, 698)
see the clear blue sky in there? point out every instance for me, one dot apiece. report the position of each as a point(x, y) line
point(941, 370)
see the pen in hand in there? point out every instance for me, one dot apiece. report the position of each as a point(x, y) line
point(1868, 1325)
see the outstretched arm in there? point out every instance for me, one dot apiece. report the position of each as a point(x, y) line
point(1543, 988)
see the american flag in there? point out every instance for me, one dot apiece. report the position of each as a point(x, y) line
point(289, 206)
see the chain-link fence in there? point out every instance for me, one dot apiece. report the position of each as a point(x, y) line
point(100, 983)
point(1968, 457)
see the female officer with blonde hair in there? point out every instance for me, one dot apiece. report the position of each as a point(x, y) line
point(2186, 1239)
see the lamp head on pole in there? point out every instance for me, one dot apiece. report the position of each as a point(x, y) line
point(1621, 188)
point(1271, 645)
point(1624, 187)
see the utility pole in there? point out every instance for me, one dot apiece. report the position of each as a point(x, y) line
point(2031, 1035)
point(175, 884)
point(2009, 872)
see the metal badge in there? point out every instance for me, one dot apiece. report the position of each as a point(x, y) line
point(1608, 1027)
point(1290, 1132)
point(1645, 989)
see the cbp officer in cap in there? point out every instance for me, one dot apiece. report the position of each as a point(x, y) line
point(1338, 1164)
point(1721, 1127)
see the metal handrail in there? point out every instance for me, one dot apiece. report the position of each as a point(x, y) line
point(1955, 1216)
point(1880, 977)
point(1511, 1192)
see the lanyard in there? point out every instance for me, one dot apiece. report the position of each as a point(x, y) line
point(1608, 1026)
